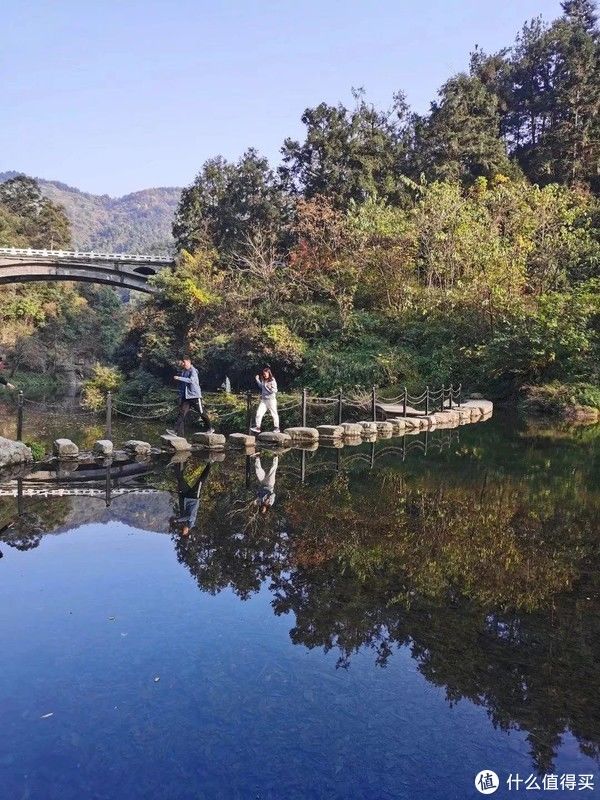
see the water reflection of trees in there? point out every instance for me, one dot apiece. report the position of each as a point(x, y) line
point(493, 587)
point(490, 580)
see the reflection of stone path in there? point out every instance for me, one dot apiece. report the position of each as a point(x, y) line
point(14, 491)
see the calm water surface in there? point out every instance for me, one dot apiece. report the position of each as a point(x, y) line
point(394, 622)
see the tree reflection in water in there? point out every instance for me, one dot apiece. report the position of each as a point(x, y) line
point(488, 574)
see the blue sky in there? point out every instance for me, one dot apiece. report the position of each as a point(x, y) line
point(121, 95)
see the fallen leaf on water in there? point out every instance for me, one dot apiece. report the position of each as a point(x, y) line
point(45, 716)
point(123, 634)
point(156, 679)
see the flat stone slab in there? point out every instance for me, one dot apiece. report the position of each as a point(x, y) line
point(352, 429)
point(177, 443)
point(65, 448)
point(330, 431)
point(397, 424)
point(241, 440)
point(103, 447)
point(213, 441)
point(384, 428)
point(278, 439)
point(353, 441)
point(138, 447)
point(302, 434)
point(13, 452)
point(368, 426)
point(484, 406)
point(412, 423)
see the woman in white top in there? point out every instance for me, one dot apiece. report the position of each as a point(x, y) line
point(268, 399)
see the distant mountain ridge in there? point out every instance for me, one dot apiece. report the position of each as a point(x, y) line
point(139, 222)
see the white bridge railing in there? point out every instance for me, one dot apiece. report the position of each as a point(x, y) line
point(78, 254)
point(62, 492)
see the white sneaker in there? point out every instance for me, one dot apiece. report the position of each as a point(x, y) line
point(255, 430)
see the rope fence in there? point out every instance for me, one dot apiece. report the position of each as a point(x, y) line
point(404, 404)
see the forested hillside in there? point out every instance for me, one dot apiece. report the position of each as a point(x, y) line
point(135, 223)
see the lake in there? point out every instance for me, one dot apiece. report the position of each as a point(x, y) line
point(381, 621)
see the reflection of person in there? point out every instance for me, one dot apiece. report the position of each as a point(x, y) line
point(268, 399)
point(3, 380)
point(190, 396)
point(189, 499)
point(265, 496)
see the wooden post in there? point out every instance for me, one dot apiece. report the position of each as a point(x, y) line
point(374, 404)
point(20, 417)
point(304, 398)
point(427, 401)
point(459, 393)
point(442, 401)
point(404, 401)
point(109, 415)
point(248, 411)
point(450, 397)
point(339, 408)
point(303, 465)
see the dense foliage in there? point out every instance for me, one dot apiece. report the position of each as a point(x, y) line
point(394, 248)
point(51, 328)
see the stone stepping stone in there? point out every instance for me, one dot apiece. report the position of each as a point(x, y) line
point(352, 429)
point(177, 443)
point(13, 452)
point(138, 447)
point(368, 426)
point(272, 438)
point(212, 441)
point(302, 434)
point(330, 431)
point(103, 447)
point(65, 448)
point(241, 440)
point(384, 428)
point(397, 424)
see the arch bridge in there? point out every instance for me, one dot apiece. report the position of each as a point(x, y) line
point(19, 264)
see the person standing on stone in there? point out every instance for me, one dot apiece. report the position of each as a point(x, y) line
point(190, 397)
point(268, 399)
point(3, 380)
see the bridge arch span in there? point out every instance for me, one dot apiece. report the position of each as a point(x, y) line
point(19, 265)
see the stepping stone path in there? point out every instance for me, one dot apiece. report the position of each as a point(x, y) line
point(242, 440)
point(176, 443)
point(213, 441)
point(137, 447)
point(65, 448)
point(384, 428)
point(103, 447)
point(302, 434)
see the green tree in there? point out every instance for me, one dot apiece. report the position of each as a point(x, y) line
point(227, 203)
point(349, 155)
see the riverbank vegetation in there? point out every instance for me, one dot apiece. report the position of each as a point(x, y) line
point(393, 248)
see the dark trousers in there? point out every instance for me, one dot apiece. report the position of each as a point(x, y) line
point(185, 406)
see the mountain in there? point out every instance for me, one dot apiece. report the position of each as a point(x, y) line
point(135, 223)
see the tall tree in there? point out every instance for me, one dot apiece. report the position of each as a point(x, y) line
point(38, 221)
point(461, 138)
point(228, 202)
point(349, 155)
